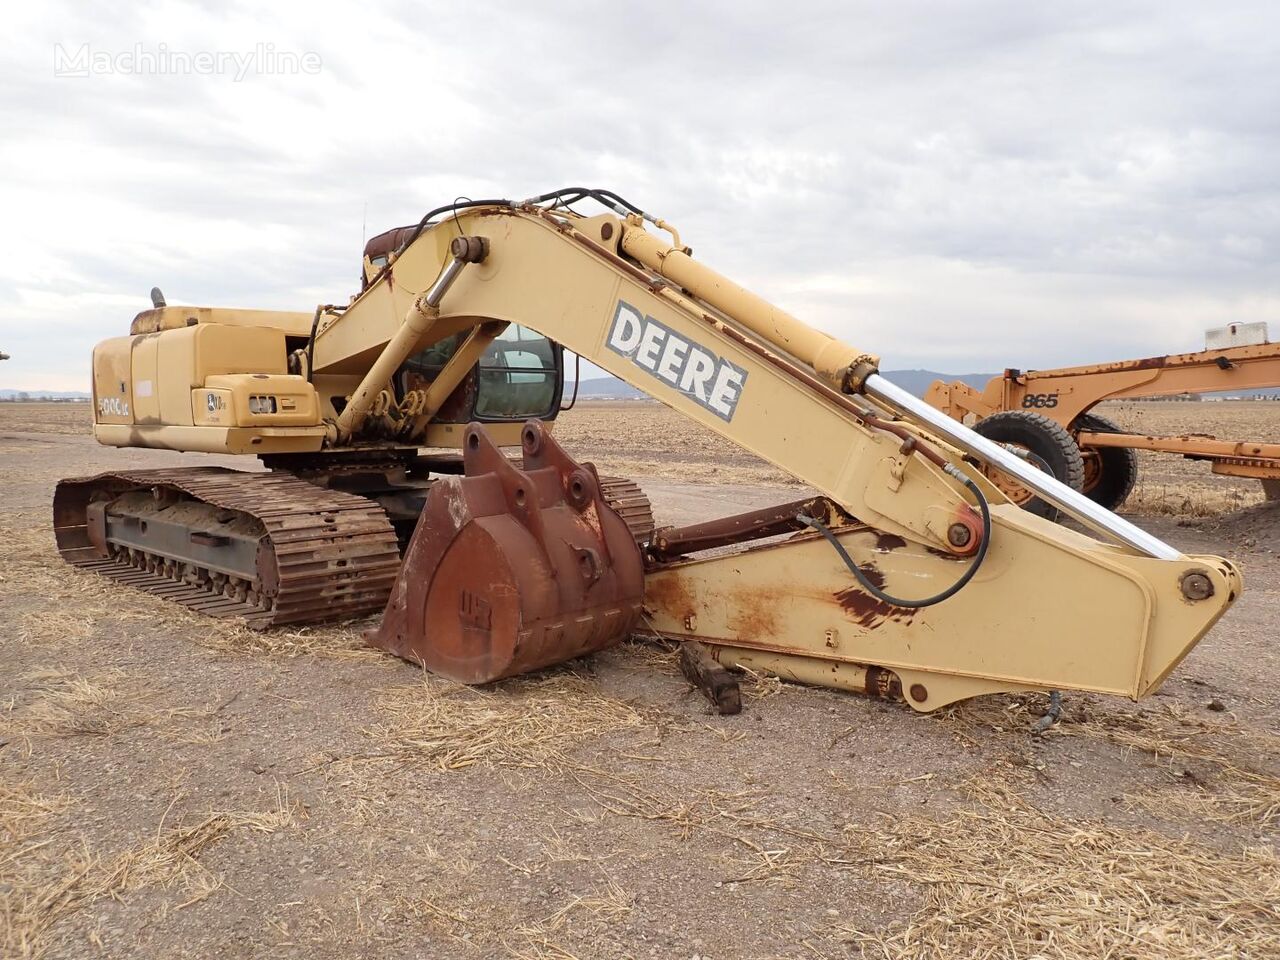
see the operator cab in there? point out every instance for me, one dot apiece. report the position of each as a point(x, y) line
point(520, 376)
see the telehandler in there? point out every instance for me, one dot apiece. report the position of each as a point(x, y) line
point(1049, 416)
point(381, 422)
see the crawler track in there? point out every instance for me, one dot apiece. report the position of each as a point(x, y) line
point(626, 497)
point(317, 554)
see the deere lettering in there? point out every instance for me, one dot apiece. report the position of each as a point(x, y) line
point(689, 367)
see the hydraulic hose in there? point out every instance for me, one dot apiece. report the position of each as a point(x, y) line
point(865, 582)
point(565, 196)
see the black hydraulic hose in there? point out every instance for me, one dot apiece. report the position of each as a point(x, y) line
point(315, 327)
point(609, 194)
point(1051, 715)
point(577, 377)
point(883, 597)
point(460, 204)
point(565, 196)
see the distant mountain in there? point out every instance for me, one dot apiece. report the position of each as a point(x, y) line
point(606, 388)
point(916, 381)
point(919, 381)
point(43, 395)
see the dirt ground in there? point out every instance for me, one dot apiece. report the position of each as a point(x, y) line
point(172, 786)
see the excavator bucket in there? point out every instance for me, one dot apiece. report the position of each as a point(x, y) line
point(510, 570)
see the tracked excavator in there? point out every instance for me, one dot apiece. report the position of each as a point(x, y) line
point(381, 482)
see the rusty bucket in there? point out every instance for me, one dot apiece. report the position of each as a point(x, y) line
point(510, 570)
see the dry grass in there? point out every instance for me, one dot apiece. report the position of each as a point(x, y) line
point(64, 418)
point(494, 929)
point(1237, 783)
point(758, 686)
point(53, 873)
point(535, 723)
point(520, 723)
point(334, 642)
point(1003, 879)
point(68, 605)
point(1170, 485)
point(608, 903)
point(1184, 499)
point(1217, 768)
point(56, 703)
point(22, 811)
point(57, 596)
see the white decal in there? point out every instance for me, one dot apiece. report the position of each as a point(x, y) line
point(698, 373)
point(112, 407)
point(142, 388)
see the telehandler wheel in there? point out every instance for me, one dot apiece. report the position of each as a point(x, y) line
point(1049, 446)
point(1109, 472)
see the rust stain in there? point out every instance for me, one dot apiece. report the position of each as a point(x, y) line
point(755, 614)
point(1148, 363)
point(668, 594)
point(889, 541)
point(883, 683)
point(866, 610)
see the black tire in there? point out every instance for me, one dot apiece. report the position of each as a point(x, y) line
point(1110, 484)
point(1047, 441)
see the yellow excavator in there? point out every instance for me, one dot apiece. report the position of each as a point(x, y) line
point(381, 425)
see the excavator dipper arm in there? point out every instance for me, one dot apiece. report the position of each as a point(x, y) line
point(1045, 608)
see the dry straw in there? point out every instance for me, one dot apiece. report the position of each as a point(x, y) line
point(1003, 879)
point(1218, 769)
point(48, 871)
point(522, 723)
point(68, 605)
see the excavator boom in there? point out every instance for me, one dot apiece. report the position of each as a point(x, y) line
point(908, 573)
point(648, 313)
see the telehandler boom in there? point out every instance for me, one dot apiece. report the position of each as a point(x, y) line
point(1050, 414)
point(907, 573)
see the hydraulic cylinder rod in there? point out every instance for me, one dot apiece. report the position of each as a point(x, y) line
point(1044, 485)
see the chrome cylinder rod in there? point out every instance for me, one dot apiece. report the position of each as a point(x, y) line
point(1044, 485)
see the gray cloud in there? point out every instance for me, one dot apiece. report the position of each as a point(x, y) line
point(958, 186)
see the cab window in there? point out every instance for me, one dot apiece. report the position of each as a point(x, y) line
point(518, 376)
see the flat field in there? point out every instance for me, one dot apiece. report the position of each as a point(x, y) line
point(173, 786)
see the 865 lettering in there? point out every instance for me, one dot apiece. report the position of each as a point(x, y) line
point(1039, 400)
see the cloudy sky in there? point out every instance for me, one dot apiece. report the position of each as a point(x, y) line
point(958, 186)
